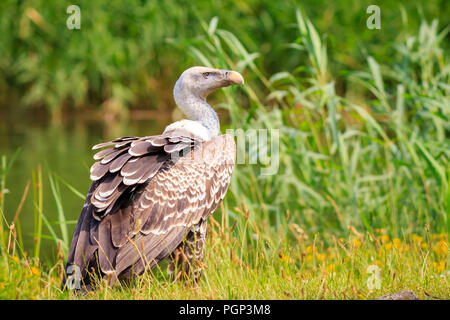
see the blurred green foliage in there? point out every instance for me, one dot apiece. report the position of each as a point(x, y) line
point(124, 54)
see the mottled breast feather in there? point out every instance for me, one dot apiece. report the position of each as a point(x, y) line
point(147, 192)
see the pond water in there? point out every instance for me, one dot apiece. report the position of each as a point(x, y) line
point(64, 149)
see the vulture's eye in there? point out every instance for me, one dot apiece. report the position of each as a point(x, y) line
point(205, 75)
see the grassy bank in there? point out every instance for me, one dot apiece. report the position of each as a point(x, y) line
point(362, 266)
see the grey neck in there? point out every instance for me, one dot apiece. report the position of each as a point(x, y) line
point(197, 109)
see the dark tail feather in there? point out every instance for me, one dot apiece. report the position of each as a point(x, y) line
point(81, 253)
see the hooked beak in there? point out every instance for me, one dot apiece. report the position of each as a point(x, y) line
point(234, 77)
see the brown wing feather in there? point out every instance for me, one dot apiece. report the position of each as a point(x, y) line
point(176, 199)
point(141, 192)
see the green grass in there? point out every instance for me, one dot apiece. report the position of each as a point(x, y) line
point(304, 269)
point(374, 161)
point(363, 177)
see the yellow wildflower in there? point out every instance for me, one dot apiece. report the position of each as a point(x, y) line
point(441, 248)
point(388, 246)
point(321, 257)
point(417, 239)
point(356, 243)
point(330, 268)
point(439, 266)
point(284, 258)
point(35, 271)
point(384, 238)
point(435, 236)
point(311, 249)
point(397, 243)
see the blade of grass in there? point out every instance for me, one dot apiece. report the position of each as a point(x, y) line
point(38, 204)
point(59, 208)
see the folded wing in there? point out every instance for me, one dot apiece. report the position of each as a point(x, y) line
point(146, 194)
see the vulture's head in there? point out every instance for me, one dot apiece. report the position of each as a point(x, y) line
point(201, 81)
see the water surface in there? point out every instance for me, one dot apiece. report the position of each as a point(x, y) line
point(65, 149)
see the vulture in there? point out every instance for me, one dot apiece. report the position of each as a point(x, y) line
point(151, 196)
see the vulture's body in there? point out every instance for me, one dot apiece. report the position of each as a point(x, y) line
point(151, 196)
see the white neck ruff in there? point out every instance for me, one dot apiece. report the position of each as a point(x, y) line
point(193, 128)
